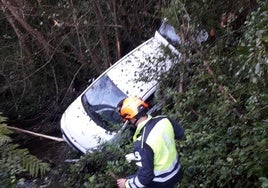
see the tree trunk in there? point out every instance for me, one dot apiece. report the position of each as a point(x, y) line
point(17, 20)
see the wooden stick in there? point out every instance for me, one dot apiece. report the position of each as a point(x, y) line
point(113, 175)
point(36, 134)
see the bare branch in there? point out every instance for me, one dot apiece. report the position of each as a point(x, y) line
point(103, 37)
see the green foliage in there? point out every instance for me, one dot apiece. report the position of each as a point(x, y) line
point(102, 167)
point(253, 48)
point(14, 161)
point(223, 103)
point(224, 110)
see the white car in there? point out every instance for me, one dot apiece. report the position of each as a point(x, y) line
point(92, 119)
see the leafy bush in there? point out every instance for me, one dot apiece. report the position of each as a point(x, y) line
point(224, 105)
point(102, 167)
point(219, 93)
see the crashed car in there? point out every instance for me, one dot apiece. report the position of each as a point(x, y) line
point(92, 119)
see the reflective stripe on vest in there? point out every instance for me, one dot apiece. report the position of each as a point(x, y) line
point(166, 178)
point(161, 140)
point(170, 169)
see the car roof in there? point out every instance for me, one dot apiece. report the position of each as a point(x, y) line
point(126, 72)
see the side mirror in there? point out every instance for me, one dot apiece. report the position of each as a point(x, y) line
point(169, 33)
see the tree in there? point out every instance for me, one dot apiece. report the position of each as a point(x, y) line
point(57, 46)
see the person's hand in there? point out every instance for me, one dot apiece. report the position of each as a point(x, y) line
point(121, 183)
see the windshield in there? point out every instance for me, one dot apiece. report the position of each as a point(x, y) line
point(100, 102)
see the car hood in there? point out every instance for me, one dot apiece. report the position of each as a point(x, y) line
point(80, 130)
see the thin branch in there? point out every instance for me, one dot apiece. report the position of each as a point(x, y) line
point(94, 56)
point(71, 84)
point(56, 83)
point(102, 34)
point(46, 63)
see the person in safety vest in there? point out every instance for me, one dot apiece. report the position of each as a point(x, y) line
point(154, 151)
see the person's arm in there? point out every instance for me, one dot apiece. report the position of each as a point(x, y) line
point(145, 173)
point(178, 130)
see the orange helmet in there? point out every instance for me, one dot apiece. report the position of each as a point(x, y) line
point(130, 107)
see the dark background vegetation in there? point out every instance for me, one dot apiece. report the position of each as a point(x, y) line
point(50, 49)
